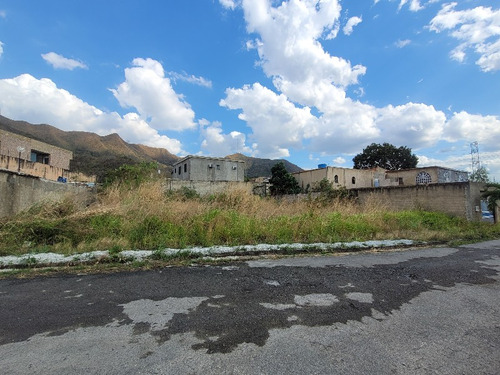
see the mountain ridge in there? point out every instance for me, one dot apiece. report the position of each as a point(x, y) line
point(94, 154)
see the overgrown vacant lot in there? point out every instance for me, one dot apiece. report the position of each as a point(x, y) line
point(146, 217)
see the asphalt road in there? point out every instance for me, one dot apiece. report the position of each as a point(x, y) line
point(426, 311)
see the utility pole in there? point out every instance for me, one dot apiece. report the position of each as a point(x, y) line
point(474, 152)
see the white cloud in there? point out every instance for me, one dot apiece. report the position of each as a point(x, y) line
point(402, 43)
point(349, 26)
point(288, 46)
point(200, 81)
point(148, 90)
point(41, 101)
point(413, 123)
point(228, 4)
point(484, 129)
point(490, 160)
point(215, 142)
point(1, 49)
point(277, 124)
point(339, 160)
point(61, 62)
point(309, 108)
point(477, 29)
point(3, 14)
point(415, 5)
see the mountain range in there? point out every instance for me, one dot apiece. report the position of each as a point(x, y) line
point(97, 155)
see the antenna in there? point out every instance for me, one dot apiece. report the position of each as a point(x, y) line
point(474, 152)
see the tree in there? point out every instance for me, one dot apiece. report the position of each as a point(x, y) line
point(480, 175)
point(492, 195)
point(385, 156)
point(282, 182)
point(132, 175)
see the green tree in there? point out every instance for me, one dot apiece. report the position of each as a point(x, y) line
point(480, 175)
point(385, 156)
point(132, 175)
point(492, 195)
point(282, 182)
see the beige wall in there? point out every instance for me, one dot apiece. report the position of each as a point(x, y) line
point(460, 199)
point(45, 171)
point(362, 178)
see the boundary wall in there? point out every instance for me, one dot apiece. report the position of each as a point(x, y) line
point(20, 192)
point(209, 187)
point(462, 199)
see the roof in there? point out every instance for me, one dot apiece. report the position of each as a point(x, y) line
point(208, 158)
point(422, 168)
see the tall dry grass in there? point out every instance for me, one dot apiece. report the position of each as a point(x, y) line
point(149, 217)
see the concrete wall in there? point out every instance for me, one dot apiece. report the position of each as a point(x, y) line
point(462, 199)
point(20, 192)
point(209, 187)
point(199, 168)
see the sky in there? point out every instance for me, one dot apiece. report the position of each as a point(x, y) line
point(310, 81)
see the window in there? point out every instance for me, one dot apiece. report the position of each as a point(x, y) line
point(39, 157)
point(218, 167)
point(400, 181)
point(336, 179)
point(179, 170)
point(423, 178)
point(185, 168)
point(354, 180)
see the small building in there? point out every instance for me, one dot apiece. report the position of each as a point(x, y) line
point(425, 176)
point(340, 177)
point(378, 177)
point(202, 168)
point(28, 156)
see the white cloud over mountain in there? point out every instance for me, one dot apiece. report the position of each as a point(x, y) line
point(148, 90)
point(41, 101)
point(217, 143)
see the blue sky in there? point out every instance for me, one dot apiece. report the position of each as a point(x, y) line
point(311, 81)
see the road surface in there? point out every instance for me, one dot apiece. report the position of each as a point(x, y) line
point(421, 311)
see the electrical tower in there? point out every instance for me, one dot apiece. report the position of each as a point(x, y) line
point(474, 152)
